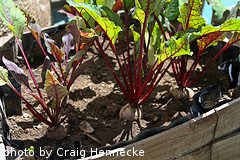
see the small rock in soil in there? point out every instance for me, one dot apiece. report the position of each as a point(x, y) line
point(177, 93)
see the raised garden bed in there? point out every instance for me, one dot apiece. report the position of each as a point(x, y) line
point(157, 105)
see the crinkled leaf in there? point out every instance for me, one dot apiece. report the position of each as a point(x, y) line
point(218, 7)
point(152, 7)
point(54, 89)
point(190, 14)
point(232, 25)
point(3, 76)
point(172, 11)
point(13, 17)
point(211, 39)
point(112, 16)
point(53, 49)
point(16, 72)
point(68, 43)
point(95, 12)
point(174, 48)
point(46, 66)
point(87, 35)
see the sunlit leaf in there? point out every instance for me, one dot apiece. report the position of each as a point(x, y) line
point(211, 39)
point(112, 16)
point(174, 48)
point(13, 17)
point(190, 14)
point(68, 43)
point(95, 12)
point(54, 89)
point(3, 76)
point(53, 48)
point(16, 72)
point(232, 25)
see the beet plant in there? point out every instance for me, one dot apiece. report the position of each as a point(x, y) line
point(58, 74)
point(139, 32)
point(185, 19)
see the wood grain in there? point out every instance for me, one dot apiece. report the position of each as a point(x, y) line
point(193, 140)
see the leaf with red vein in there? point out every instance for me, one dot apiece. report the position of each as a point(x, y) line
point(54, 89)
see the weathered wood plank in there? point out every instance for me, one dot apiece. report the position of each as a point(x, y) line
point(229, 148)
point(177, 141)
point(190, 136)
point(229, 119)
point(200, 154)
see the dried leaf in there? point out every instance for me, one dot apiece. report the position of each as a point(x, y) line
point(86, 127)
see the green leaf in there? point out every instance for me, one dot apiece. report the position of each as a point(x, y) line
point(3, 76)
point(218, 7)
point(128, 4)
point(232, 25)
point(112, 16)
point(95, 12)
point(139, 15)
point(190, 15)
point(54, 89)
point(152, 7)
point(108, 3)
point(172, 11)
point(174, 48)
point(13, 17)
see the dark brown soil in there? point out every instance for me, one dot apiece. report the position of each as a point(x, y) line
point(96, 98)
